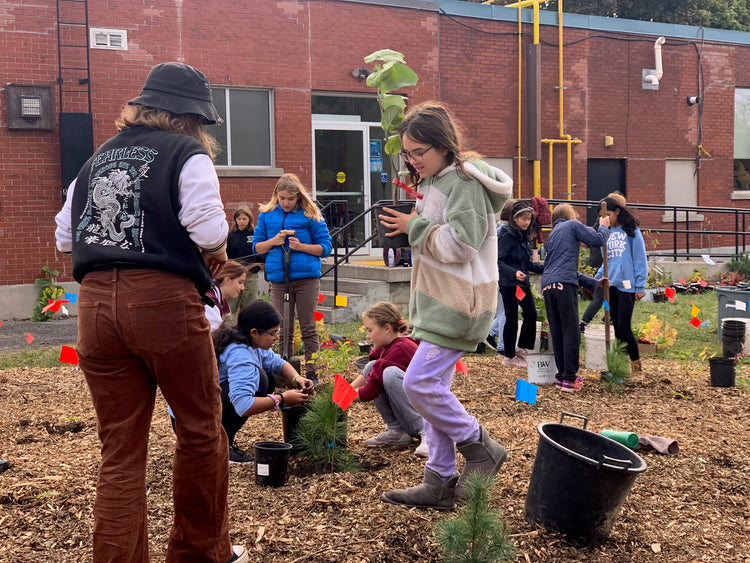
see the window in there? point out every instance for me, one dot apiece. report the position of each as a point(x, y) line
point(742, 139)
point(246, 137)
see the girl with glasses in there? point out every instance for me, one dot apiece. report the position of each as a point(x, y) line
point(454, 292)
point(248, 370)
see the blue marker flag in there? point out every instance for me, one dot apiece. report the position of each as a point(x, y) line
point(71, 297)
point(525, 392)
point(606, 305)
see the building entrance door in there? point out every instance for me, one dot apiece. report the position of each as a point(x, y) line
point(351, 173)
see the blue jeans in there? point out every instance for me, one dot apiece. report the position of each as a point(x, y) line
point(498, 324)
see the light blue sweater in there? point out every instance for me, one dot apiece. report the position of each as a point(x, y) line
point(239, 365)
point(627, 264)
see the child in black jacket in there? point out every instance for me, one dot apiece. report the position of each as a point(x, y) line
point(514, 264)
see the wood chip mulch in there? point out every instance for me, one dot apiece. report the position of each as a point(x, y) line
point(684, 508)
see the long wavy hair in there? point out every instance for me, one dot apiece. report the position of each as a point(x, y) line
point(258, 314)
point(627, 220)
point(292, 184)
point(187, 124)
point(433, 123)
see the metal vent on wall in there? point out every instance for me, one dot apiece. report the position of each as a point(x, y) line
point(116, 39)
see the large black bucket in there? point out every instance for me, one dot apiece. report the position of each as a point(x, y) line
point(271, 462)
point(579, 482)
point(399, 241)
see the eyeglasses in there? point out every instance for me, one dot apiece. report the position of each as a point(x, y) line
point(275, 333)
point(415, 155)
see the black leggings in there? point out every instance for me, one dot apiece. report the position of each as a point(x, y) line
point(621, 304)
point(230, 420)
point(527, 338)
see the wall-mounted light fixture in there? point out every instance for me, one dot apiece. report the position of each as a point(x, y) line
point(692, 100)
point(31, 107)
point(361, 73)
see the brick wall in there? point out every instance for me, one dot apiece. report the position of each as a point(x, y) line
point(299, 48)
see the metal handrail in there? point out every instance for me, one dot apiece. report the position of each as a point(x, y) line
point(681, 214)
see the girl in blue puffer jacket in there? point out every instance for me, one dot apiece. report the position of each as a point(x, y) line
point(290, 228)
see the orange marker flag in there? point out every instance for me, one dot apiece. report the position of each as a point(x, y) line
point(343, 392)
point(68, 355)
point(682, 281)
point(520, 293)
point(695, 322)
point(319, 316)
point(54, 305)
point(461, 367)
point(29, 338)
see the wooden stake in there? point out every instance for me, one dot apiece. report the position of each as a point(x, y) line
point(602, 213)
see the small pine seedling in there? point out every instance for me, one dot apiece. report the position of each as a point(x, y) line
point(477, 533)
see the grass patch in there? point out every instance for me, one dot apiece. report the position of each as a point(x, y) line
point(41, 358)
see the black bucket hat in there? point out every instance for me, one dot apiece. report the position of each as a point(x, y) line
point(178, 88)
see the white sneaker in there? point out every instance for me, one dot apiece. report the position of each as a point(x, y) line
point(391, 437)
point(521, 353)
point(239, 555)
point(516, 362)
point(421, 450)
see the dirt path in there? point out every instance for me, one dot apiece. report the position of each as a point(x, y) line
point(13, 334)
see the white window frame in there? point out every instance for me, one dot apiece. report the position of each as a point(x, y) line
point(109, 33)
point(231, 169)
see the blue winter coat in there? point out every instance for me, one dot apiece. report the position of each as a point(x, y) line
point(514, 254)
point(309, 231)
point(563, 244)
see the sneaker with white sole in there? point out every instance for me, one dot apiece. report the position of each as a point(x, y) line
point(239, 555)
point(521, 353)
point(236, 455)
point(391, 437)
point(515, 362)
point(568, 386)
point(421, 450)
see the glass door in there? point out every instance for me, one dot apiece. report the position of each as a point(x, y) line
point(349, 166)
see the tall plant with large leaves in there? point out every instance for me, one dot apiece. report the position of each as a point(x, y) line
point(390, 73)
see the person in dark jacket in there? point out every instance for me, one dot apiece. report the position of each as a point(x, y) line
point(595, 261)
point(146, 226)
point(240, 248)
point(560, 283)
point(514, 264)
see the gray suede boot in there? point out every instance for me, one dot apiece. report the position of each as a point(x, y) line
point(432, 493)
point(485, 456)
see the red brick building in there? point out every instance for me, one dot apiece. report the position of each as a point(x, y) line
point(285, 78)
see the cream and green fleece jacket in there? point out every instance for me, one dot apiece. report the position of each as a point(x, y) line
point(454, 255)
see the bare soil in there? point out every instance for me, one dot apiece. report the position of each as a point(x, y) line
point(684, 508)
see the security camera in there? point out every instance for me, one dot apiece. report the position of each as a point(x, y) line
point(692, 100)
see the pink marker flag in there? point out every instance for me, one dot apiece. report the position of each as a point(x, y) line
point(343, 392)
point(321, 297)
point(682, 281)
point(695, 321)
point(520, 294)
point(68, 355)
point(461, 367)
point(703, 283)
point(319, 316)
point(29, 338)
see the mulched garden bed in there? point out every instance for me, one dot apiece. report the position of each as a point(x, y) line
point(685, 508)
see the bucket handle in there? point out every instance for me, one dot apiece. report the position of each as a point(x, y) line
point(585, 420)
point(615, 464)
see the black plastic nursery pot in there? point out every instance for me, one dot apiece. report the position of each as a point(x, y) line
point(579, 482)
point(722, 371)
point(399, 241)
point(271, 462)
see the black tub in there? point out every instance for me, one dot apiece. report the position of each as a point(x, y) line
point(579, 482)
